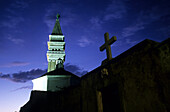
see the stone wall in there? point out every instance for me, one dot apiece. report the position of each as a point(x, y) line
point(141, 75)
point(64, 101)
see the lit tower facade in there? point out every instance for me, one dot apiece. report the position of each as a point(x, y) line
point(56, 79)
point(56, 48)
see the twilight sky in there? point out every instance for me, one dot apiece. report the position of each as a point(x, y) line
point(26, 24)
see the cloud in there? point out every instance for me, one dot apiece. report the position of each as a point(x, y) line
point(131, 30)
point(115, 10)
point(29, 75)
point(6, 76)
point(14, 14)
point(128, 41)
point(50, 17)
point(23, 77)
point(24, 87)
point(15, 40)
point(165, 31)
point(12, 22)
point(67, 15)
point(84, 41)
point(21, 4)
point(144, 19)
point(75, 69)
point(14, 64)
point(11, 19)
point(96, 23)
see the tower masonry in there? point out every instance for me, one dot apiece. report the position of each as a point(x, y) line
point(56, 79)
point(56, 48)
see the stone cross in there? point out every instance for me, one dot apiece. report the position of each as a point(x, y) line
point(107, 44)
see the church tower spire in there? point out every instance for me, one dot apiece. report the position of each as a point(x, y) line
point(57, 28)
point(56, 48)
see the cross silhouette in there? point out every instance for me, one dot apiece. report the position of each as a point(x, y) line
point(107, 44)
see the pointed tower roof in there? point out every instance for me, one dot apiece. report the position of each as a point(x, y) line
point(57, 28)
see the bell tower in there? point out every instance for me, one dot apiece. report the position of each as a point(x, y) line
point(56, 48)
point(56, 79)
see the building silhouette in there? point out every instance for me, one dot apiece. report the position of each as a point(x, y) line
point(135, 81)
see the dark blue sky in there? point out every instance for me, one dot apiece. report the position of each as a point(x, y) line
point(26, 24)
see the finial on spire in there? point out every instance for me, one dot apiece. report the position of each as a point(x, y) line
point(57, 28)
point(58, 16)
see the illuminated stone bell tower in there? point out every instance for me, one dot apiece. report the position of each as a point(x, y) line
point(56, 79)
point(56, 48)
